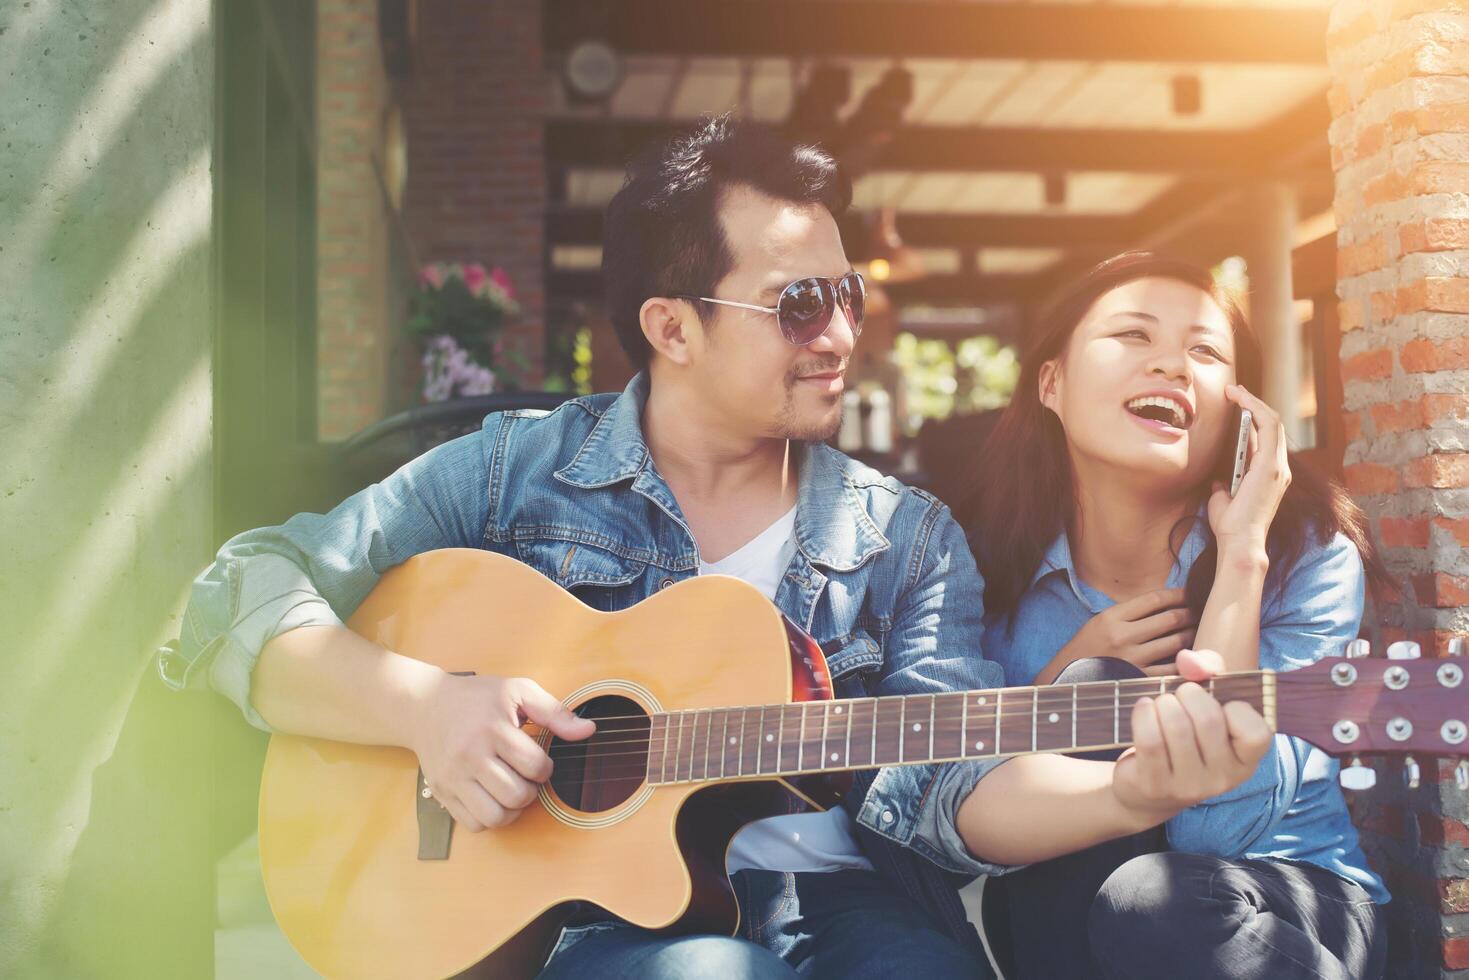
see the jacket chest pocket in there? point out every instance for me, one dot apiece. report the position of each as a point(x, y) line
point(600, 578)
point(854, 661)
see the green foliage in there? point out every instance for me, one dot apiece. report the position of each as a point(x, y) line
point(976, 374)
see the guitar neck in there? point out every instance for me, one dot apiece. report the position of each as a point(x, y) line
point(765, 741)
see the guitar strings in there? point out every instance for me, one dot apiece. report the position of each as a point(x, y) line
point(622, 772)
point(1083, 715)
point(1103, 690)
point(576, 752)
point(1083, 706)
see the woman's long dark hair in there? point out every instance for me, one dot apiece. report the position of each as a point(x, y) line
point(1025, 494)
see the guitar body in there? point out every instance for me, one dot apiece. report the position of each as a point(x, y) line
point(341, 825)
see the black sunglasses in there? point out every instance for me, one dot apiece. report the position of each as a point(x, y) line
point(806, 306)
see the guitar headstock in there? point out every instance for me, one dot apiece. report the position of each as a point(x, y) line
point(1400, 704)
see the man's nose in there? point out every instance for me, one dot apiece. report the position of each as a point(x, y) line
point(838, 338)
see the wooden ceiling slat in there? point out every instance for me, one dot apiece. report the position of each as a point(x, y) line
point(583, 226)
point(1207, 153)
point(937, 29)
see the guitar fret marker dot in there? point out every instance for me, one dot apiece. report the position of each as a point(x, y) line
point(837, 710)
point(917, 727)
point(979, 746)
point(731, 740)
point(833, 757)
point(1053, 717)
point(770, 738)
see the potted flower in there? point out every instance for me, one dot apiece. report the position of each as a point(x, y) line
point(456, 315)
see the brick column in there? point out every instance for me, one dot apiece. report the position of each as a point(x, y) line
point(1400, 148)
point(355, 328)
point(476, 169)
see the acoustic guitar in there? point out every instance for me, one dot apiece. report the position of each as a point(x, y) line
point(706, 698)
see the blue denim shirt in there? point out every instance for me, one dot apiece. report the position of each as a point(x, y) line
point(882, 578)
point(1292, 807)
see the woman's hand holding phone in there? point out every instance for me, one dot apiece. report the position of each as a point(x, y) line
point(1240, 523)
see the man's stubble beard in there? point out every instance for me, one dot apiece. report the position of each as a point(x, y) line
point(789, 426)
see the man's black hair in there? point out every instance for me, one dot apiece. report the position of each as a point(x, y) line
point(662, 235)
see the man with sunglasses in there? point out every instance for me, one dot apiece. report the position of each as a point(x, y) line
point(729, 289)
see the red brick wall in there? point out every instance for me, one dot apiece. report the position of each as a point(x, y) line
point(476, 172)
point(355, 329)
point(1400, 146)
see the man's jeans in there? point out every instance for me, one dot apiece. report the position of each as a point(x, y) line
point(807, 924)
point(1128, 909)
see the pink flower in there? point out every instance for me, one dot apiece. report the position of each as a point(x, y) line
point(502, 279)
point(474, 277)
point(431, 275)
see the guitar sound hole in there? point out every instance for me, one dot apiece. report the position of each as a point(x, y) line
point(600, 772)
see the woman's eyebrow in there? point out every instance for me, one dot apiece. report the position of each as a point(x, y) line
point(1138, 314)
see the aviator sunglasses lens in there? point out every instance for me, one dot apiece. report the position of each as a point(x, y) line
point(805, 310)
point(853, 294)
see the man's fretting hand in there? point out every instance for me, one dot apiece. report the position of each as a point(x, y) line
point(1187, 747)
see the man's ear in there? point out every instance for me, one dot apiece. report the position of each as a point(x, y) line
point(1048, 385)
point(669, 325)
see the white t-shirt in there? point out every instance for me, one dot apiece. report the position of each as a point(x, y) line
point(797, 841)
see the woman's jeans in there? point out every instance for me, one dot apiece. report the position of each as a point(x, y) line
point(1130, 909)
point(804, 924)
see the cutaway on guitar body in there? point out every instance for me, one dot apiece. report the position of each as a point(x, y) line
point(340, 824)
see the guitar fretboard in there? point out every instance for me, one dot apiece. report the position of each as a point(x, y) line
point(721, 744)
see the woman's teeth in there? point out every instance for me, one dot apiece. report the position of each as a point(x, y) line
point(1158, 409)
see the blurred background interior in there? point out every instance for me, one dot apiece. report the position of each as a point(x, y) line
point(997, 149)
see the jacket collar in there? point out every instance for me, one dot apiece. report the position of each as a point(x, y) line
point(614, 450)
point(1058, 558)
point(833, 527)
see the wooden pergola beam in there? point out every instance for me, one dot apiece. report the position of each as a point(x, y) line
point(583, 226)
point(1210, 154)
point(936, 29)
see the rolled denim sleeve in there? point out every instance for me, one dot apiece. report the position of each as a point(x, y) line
point(315, 569)
point(934, 647)
point(1315, 612)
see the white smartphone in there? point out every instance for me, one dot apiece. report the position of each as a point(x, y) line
point(1241, 450)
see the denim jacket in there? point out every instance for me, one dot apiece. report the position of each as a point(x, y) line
point(881, 577)
point(1291, 808)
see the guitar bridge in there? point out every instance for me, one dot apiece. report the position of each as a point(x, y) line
point(435, 825)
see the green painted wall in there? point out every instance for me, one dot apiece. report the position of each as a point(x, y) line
point(106, 391)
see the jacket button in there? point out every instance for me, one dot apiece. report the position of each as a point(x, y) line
point(171, 666)
point(665, 583)
point(887, 816)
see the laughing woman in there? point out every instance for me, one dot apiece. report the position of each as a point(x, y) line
point(1110, 531)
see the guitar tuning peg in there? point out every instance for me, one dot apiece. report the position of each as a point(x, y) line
point(1357, 776)
point(1461, 774)
point(1411, 775)
point(1358, 648)
point(1404, 650)
point(1456, 647)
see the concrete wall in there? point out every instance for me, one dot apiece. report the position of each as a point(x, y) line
point(106, 384)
